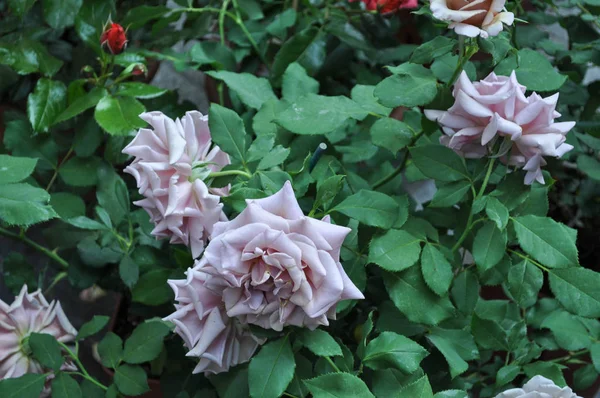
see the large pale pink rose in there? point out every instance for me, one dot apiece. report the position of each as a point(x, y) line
point(171, 161)
point(29, 313)
point(539, 387)
point(277, 267)
point(497, 107)
point(218, 341)
point(473, 18)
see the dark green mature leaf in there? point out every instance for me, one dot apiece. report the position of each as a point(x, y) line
point(86, 223)
point(432, 49)
point(139, 16)
point(297, 83)
point(412, 297)
point(549, 370)
point(275, 157)
point(110, 350)
point(363, 95)
point(26, 386)
point(80, 172)
point(61, 14)
point(21, 7)
point(145, 343)
point(338, 385)
point(577, 290)
point(112, 194)
point(46, 350)
point(465, 292)
point(439, 162)
point(394, 350)
point(395, 250)
point(228, 132)
point(446, 347)
point(47, 101)
point(119, 115)
point(129, 271)
point(589, 166)
point(152, 288)
point(489, 246)
point(549, 242)
point(24, 205)
point(595, 354)
point(450, 194)
point(81, 104)
point(443, 68)
point(498, 46)
point(293, 50)
point(90, 390)
point(417, 389)
point(15, 169)
point(411, 85)
point(391, 134)
point(524, 283)
point(497, 212)
point(272, 369)
point(437, 271)
point(64, 386)
point(488, 334)
point(92, 327)
point(320, 343)
point(533, 71)
point(282, 22)
point(506, 374)
point(140, 90)
point(28, 56)
point(232, 384)
point(371, 208)
point(318, 114)
point(253, 91)
point(569, 332)
point(131, 380)
point(17, 272)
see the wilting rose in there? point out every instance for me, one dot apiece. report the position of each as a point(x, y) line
point(29, 313)
point(171, 161)
point(218, 341)
point(473, 18)
point(114, 38)
point(389, 6)
point(275, 267)
point(497, 107)
point(539, 387)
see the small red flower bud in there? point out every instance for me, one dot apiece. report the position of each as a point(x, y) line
point(114, 38)
point(388, 6)
point(138, 70)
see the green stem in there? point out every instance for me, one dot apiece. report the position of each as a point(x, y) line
point(36, 246)
point(287, 394)
point(486, 179)
point(59, 277)
point(222, 13)
point(571, 356)
point(464, 57)
point(91, 379)
point(229, 173)
point(400, 168)
point(333, 365)
point(532, 261)
point(80, 366)
point(58, 167)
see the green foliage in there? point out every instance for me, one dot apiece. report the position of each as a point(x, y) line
point(272, 369)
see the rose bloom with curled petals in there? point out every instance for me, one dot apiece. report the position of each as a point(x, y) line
point(539, 387)
point(218, 341)
point(30, 313)
point(171, 160)
point(275, 267)
point(498, 107)
point(473, 18)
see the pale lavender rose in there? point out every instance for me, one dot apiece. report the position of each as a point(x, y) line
point(473, 18)
point(275, 267)
point(539, 387)
point(218, 341)
point(171, 161)
point(29, 313)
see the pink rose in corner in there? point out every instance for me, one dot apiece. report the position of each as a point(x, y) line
point(473, 17)
point(497, 107)
point(274, 266)
point(171, 162)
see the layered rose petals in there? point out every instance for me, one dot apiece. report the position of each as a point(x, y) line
point(473, 18)
point(539, 387)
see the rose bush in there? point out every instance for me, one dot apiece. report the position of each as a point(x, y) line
point(250, 198)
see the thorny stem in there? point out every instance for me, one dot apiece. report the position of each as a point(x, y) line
point(59, 277)
point(36, 246)
point(84, 373)
point(464, 56)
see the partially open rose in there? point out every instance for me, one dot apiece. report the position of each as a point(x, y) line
point(539, 387)
point(473, 18)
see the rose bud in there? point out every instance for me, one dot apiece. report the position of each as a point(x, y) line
point(139, 70)
point(114, 37)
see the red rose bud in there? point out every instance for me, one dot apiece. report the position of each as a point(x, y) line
point(138, 70)
point(114, 37)
point(389, 6)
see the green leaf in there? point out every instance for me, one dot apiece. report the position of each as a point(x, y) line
point(568, 330)
point(92, 327)
point(318, 114)
point(327, 190)
point(119, 115)
point(320, 343)
point(297, 83)
point(411, 85)
point(366, 330)
point(412, 297)
point(489, 246)
point(498, 46)
point(21, 7)
point(129, 271)
point(395, 250)
point(391, 134)
point(589, 166)
point(90, 390)
point(131, 380)
point(437, 271)
point(363, 95)
point(64, 386)
point(47, 101)
point(595, 354)
point(281, 22)
point(15, 169)
point(533, 71)
point(506, 374)
point(139, 16)
point(81, 104)
point(394, 350)
point(524, 283)
point(338, 385)
point(253, 91)
point(446, 346)
point(577, 290)
point(549, 242)
point(110, 350)
point(549, 370)
point(60, 14)
point(292, 51)
point(95, 256)
point(80, 172)
point(86, 223)
point(418, 389)
point(112, 194)
point(275, 157)
point(46, 350)
point(24, 205)
point(440, 163)
point(465, 292)
point(140, 90)
point(26, 386)
point(228, 132)
point(497, 212)
point(152, 288)
point(18, 272)
point(272, 369)
point(450, 194)
point(443, 68)
point(145, 343)
point(488, 334)
point(370, 208)
point(27, 56)
point(432, 49)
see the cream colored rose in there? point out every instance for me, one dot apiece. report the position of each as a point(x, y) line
point(473, 18)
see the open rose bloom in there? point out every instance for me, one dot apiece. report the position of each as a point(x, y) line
point(473, 18)
point(539, 387)
point(171, 160)
point(498, 107)
point(29, 313)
